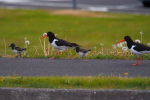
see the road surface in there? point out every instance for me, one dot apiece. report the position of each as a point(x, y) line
point(73, 67)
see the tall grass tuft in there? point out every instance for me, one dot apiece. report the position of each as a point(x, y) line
point(5, 45)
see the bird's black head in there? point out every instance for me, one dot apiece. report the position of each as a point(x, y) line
point(49, 34)
point(12, 45)
point(77, 48)
point(127, 38)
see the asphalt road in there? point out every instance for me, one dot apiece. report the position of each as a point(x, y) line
point(121, 6)
point(73, 67)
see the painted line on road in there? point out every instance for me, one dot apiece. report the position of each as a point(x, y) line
point(56, 0)
point(104, 9)
point(13, 1)
point(119, 7)
point(42, 4)
point(9, 1)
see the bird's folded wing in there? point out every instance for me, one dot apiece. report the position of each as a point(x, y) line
point(19, 48)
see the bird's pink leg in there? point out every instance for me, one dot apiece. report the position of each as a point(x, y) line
point(60, 52)
point(68, 57)
point(141, 60)
point(137, 61)
point(54, 56)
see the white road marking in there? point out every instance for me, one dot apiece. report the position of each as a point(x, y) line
point(9, 1)
point(56, 0)
point(98, 9)
point(34, 3)
point(13, 1)
point(118, 7)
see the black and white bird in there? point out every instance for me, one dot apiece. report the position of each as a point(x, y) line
point(81, 51)
point(59, 44)
point(136, 48)
point(17, 50)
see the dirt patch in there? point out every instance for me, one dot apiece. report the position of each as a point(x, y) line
point(82, 13)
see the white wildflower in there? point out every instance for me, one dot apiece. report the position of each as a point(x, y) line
point(119, 45)
point(141, 33)
point(137, 41)
point(25, 38)
point(27, 42)
point(99, 53)
point(148, 44)
point(111, 52)
point(124, 49)
point(95, 47)
point(102, 44)
point(44, 34)
point(56, 35)
point(114, 46)
point(122, 43)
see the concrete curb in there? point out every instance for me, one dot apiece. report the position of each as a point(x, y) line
point(71, 94)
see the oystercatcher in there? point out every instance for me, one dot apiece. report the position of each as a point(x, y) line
point(17, 50)
point(81, 51)
point(136, 48)
point(59, 44)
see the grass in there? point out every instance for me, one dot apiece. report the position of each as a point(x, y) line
point(88, 29)
point(66, 82)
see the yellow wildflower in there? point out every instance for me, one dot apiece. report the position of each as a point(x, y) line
point(126, 73)
point(94, 51)
point(119, 52)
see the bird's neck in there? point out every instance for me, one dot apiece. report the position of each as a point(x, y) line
point(51, 39)
point(77, 49)
point(130, 43)
point(13, 47)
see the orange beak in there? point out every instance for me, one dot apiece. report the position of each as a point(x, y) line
point(44, 36)
point(121, 41)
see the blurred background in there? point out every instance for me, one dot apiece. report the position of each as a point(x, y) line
point(129, 6)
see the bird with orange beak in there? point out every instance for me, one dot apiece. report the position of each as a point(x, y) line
point(59, 44)
point(136, 48)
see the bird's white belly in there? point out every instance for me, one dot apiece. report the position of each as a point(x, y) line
point(80, 53)
point(15, 51)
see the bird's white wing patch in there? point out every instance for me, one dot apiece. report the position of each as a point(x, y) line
point(138, 52)
point(54, 44)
